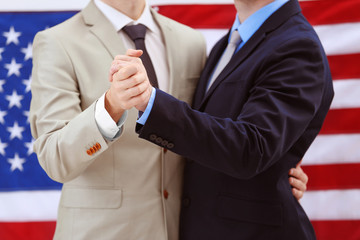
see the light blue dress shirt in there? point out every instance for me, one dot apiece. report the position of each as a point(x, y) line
point(254, 22)
point(144, 116)
point(245, 29)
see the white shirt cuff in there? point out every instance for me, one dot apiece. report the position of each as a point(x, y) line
point(107, 126)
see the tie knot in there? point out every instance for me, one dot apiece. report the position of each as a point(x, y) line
point(235, 38)
point(135, 31)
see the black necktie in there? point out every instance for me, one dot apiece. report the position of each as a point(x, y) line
point(137, 34)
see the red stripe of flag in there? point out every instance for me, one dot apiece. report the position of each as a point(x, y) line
point(201, 16)
point(342, 121)
point(325, 230)
point(345, 66)
point(333, 176)
point(337, 229)
point(27, 230)
point(331, 11)
point(221, 16)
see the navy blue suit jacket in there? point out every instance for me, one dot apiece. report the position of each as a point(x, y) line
point(241, 137)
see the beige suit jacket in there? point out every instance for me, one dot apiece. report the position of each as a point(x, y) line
point(118, 191)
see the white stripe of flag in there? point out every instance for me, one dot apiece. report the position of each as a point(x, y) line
point(339, 38)
point(333, 149)
point(22, 206)
point(347, 94)
point(75, 5)
point(332, 204)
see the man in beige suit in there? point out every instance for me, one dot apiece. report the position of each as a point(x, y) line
point(116, 186)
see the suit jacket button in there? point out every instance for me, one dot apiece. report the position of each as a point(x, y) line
point(98, 146)
point(186, 202)
point(92, 150)
point(158, 140)
point(166, 194)
point(89, 152)
point(170, 146)
point(164, 143)
point(153, 137)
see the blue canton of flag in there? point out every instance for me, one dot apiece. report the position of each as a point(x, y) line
point(19, 168)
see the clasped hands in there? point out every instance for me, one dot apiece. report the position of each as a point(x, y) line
point(130, 86)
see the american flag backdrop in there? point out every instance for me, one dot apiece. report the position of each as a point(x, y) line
point(29, 199)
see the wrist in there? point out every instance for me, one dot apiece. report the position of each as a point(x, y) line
point(114, 112)
point(142, 107)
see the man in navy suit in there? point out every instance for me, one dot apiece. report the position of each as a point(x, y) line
point(250, 122)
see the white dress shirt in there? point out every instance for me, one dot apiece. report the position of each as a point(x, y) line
point(156, 48)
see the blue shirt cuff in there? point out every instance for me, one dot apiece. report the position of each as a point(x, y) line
point(144, 116)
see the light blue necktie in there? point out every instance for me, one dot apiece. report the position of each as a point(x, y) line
point(227, 55)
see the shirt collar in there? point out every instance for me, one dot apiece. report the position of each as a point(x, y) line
point(120, 20)
point(254, 22)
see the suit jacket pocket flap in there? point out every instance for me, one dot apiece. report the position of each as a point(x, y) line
point(268, 213)
point(91, 198)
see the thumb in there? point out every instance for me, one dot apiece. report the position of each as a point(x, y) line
point(134, 53)
point(298, 164)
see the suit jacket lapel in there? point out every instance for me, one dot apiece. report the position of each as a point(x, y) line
point(273, 22)
point(105, 32)
point(101, 27)
point(171, 51)
point(236, 60)
point(211, 62)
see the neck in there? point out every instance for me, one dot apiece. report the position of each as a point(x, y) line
point(247, 7)
point(131, 8)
